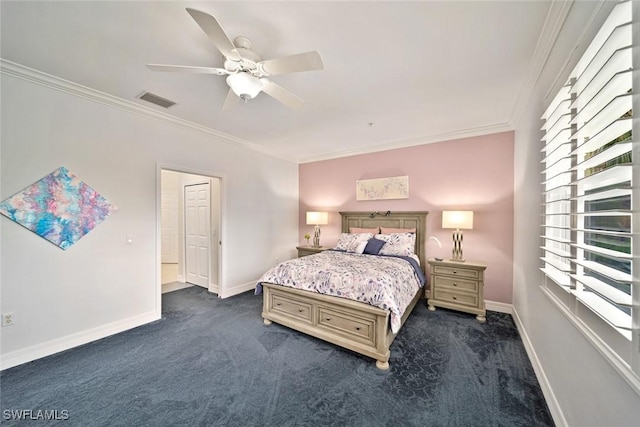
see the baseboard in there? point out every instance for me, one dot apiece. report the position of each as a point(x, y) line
point(500, 307)
point(48, 348)
point(226, 293)
point(215, 289)
point(549, 395)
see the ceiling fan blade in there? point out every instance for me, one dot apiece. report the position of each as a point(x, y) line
point(187, 69)
point(231, 101)
point(307, 61)
point(212, 28)
point(281, 94)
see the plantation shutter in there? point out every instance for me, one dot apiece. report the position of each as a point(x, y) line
point(587, 177)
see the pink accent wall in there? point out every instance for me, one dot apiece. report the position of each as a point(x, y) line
point(464, 174)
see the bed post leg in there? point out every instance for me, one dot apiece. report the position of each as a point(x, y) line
point(384, 365)
point(267, 322)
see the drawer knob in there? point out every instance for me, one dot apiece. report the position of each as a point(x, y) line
point(300, 310)
point(455, 272)
point(357, 328)
point(455, 284)
point(279, 303)
point(455, 297)
point(328, 319)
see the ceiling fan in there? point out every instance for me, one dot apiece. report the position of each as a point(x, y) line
point(246, 72)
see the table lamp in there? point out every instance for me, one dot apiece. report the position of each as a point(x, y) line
point(457, 220)
point(317, 219)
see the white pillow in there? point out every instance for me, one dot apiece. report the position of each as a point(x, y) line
point(398, 244)
point(349, 242)
point(357, 247)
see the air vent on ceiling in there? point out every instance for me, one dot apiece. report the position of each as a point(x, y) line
point(155, 99)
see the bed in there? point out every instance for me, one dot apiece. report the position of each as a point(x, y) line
point(355, 325)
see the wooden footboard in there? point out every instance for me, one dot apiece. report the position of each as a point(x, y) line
point(350, 324)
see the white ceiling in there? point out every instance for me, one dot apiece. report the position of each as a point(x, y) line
point(419, 71)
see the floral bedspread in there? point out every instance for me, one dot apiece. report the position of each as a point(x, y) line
point(382, 281)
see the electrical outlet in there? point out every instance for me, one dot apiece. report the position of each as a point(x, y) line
point(8, 319)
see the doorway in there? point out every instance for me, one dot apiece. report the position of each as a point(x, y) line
point(190, 218)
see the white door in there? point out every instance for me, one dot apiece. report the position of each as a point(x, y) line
point(197, 233)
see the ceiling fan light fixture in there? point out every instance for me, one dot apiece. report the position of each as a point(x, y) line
point(245, 85)
point(244, 69)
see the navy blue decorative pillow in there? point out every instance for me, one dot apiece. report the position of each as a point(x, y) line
point(373, 246)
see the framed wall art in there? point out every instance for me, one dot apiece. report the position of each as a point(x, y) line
point(60, 208)
point(395, 187)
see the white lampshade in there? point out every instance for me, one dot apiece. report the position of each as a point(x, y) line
point(317, 218)
point(245, 85)
point(457, 219)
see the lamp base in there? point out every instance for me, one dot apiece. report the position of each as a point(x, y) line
point(456, 252)
point(316, 236)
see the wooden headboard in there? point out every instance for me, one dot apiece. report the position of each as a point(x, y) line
point(417, 220)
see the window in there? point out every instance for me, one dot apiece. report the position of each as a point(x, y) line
point(591, 180)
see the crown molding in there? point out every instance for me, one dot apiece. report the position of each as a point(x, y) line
point(553, 23)
point(31, 75)
point(429, 139)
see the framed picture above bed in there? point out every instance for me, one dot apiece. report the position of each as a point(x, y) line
point(395, 187)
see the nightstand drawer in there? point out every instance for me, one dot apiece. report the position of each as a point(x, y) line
point(302, 252)
point(455, 283)
point(455, 271)
point(309, 250)
point(457, 297)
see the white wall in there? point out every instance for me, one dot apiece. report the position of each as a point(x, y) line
point(101, 285)
point(170, 196)
point(583, 388)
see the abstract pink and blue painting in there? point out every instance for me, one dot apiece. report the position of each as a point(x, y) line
point(60, 208)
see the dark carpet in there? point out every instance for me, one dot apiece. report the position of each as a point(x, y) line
point(211, 362)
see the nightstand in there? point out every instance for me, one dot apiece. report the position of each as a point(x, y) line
point(457, 286)
point(309, 250)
